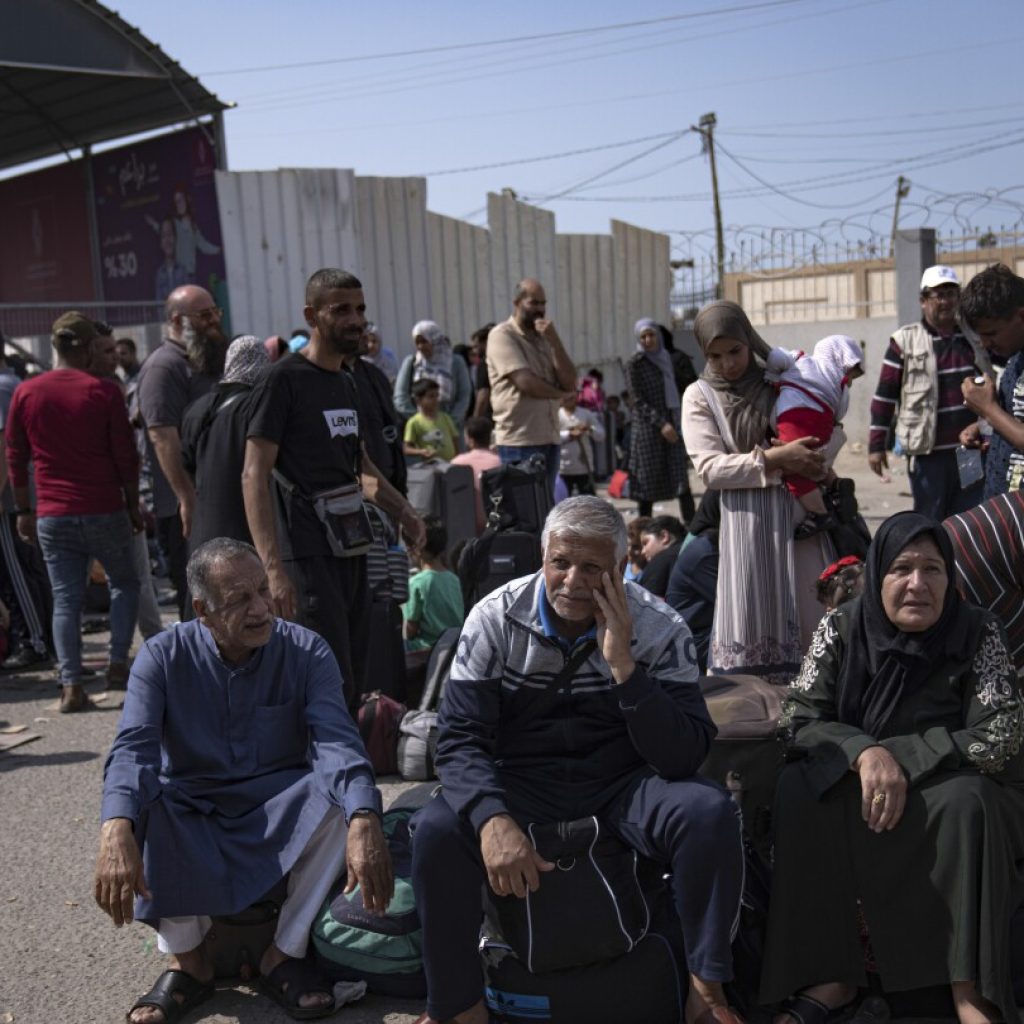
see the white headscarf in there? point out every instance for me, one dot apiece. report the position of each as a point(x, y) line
point(439, 366)
point(823, 373)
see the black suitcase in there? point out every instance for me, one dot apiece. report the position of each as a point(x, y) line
point(519, 494)
point(446, 491)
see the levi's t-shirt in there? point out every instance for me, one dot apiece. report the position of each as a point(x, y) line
point(314, 416)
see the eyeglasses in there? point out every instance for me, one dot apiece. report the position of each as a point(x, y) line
point(213, 313)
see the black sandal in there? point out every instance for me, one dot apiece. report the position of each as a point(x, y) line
point(292, 979)
point(805, 1009)
point(161, 996)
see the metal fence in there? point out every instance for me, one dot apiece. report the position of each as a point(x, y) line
point(784, 280)
point(27, 325)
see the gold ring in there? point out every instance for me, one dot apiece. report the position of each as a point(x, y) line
point(878, 798)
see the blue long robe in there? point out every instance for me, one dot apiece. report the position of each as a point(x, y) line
point(227, 770)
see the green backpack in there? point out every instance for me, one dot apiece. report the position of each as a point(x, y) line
point(386, 952)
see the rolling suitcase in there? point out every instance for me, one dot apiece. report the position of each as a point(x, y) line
point(446, 491)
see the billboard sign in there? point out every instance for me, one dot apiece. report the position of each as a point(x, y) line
point(157, 217)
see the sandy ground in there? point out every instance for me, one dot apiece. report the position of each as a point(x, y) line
point(61, 960)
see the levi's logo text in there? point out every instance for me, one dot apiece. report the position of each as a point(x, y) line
point(342, 422)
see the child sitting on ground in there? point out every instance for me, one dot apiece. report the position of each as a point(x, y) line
point(430, 433)
point(814, 394)
point(435, 595)
point(842, 581)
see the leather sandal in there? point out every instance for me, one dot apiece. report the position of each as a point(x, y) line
point(171, 983)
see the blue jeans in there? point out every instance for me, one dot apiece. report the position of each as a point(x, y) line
point(67, 544)
point(510, 455)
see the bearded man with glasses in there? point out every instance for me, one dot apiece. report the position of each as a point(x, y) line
point(185, 367)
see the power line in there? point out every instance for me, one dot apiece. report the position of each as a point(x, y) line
point(406, 83)
point(616, 27)
point(550, 156)
point(538, 201)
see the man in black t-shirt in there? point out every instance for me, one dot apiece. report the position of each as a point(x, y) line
point(306, 425)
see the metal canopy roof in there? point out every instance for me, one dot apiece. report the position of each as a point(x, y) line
point(73, 73)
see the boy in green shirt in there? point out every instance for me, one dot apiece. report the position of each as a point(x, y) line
point(435, 595)
point(430, 434)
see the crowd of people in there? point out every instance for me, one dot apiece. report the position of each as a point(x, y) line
point(899, 819)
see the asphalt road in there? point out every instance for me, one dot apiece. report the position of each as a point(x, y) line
point(61, 960)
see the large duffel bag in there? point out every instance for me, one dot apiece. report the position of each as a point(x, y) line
point(495, 558)
point(648, 984)
point(518, 496)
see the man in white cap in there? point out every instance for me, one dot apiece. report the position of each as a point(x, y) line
point(919, 389)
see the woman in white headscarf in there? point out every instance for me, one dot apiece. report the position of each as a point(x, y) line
point(434, 360)
point(657, 458)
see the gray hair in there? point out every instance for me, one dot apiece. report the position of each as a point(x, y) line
point(205, 557)
point(586, 516)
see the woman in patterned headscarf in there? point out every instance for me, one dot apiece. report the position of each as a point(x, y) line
point(907, 809)
point(213, 443)
point(765, 607)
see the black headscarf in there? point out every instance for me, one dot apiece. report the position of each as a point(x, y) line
point(882, 663)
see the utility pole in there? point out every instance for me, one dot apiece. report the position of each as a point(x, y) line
point(705, 127)
point(902, 191)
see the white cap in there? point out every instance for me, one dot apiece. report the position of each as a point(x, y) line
point(933, 277)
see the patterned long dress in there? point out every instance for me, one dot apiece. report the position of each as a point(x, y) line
point(657, 469)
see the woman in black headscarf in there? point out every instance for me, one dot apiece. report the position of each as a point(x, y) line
point(905, 819)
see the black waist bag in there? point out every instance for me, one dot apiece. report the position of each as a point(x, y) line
point(591, 908)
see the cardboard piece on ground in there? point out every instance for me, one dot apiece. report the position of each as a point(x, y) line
point(10, 730)
point(10, 742)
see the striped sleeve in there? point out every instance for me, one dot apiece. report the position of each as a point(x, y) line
point(887, 396)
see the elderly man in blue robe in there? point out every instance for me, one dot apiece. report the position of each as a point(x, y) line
point(235, 763)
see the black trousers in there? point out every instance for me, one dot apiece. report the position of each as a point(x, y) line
point(334, 601)
point(25, 589)
point(172, 540)
point(691, 826)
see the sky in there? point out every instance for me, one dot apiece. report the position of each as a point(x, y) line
point(820, 106)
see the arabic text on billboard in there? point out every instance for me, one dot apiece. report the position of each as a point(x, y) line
point(159, 227)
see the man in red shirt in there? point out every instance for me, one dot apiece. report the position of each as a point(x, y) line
point(75, 429)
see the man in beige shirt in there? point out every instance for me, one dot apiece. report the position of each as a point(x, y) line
point(530, 374)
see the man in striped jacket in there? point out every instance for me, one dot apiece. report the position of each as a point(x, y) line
point(988, 543)
point(919, 391)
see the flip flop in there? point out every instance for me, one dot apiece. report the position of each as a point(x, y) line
point(161, 996)
point(292, 979)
